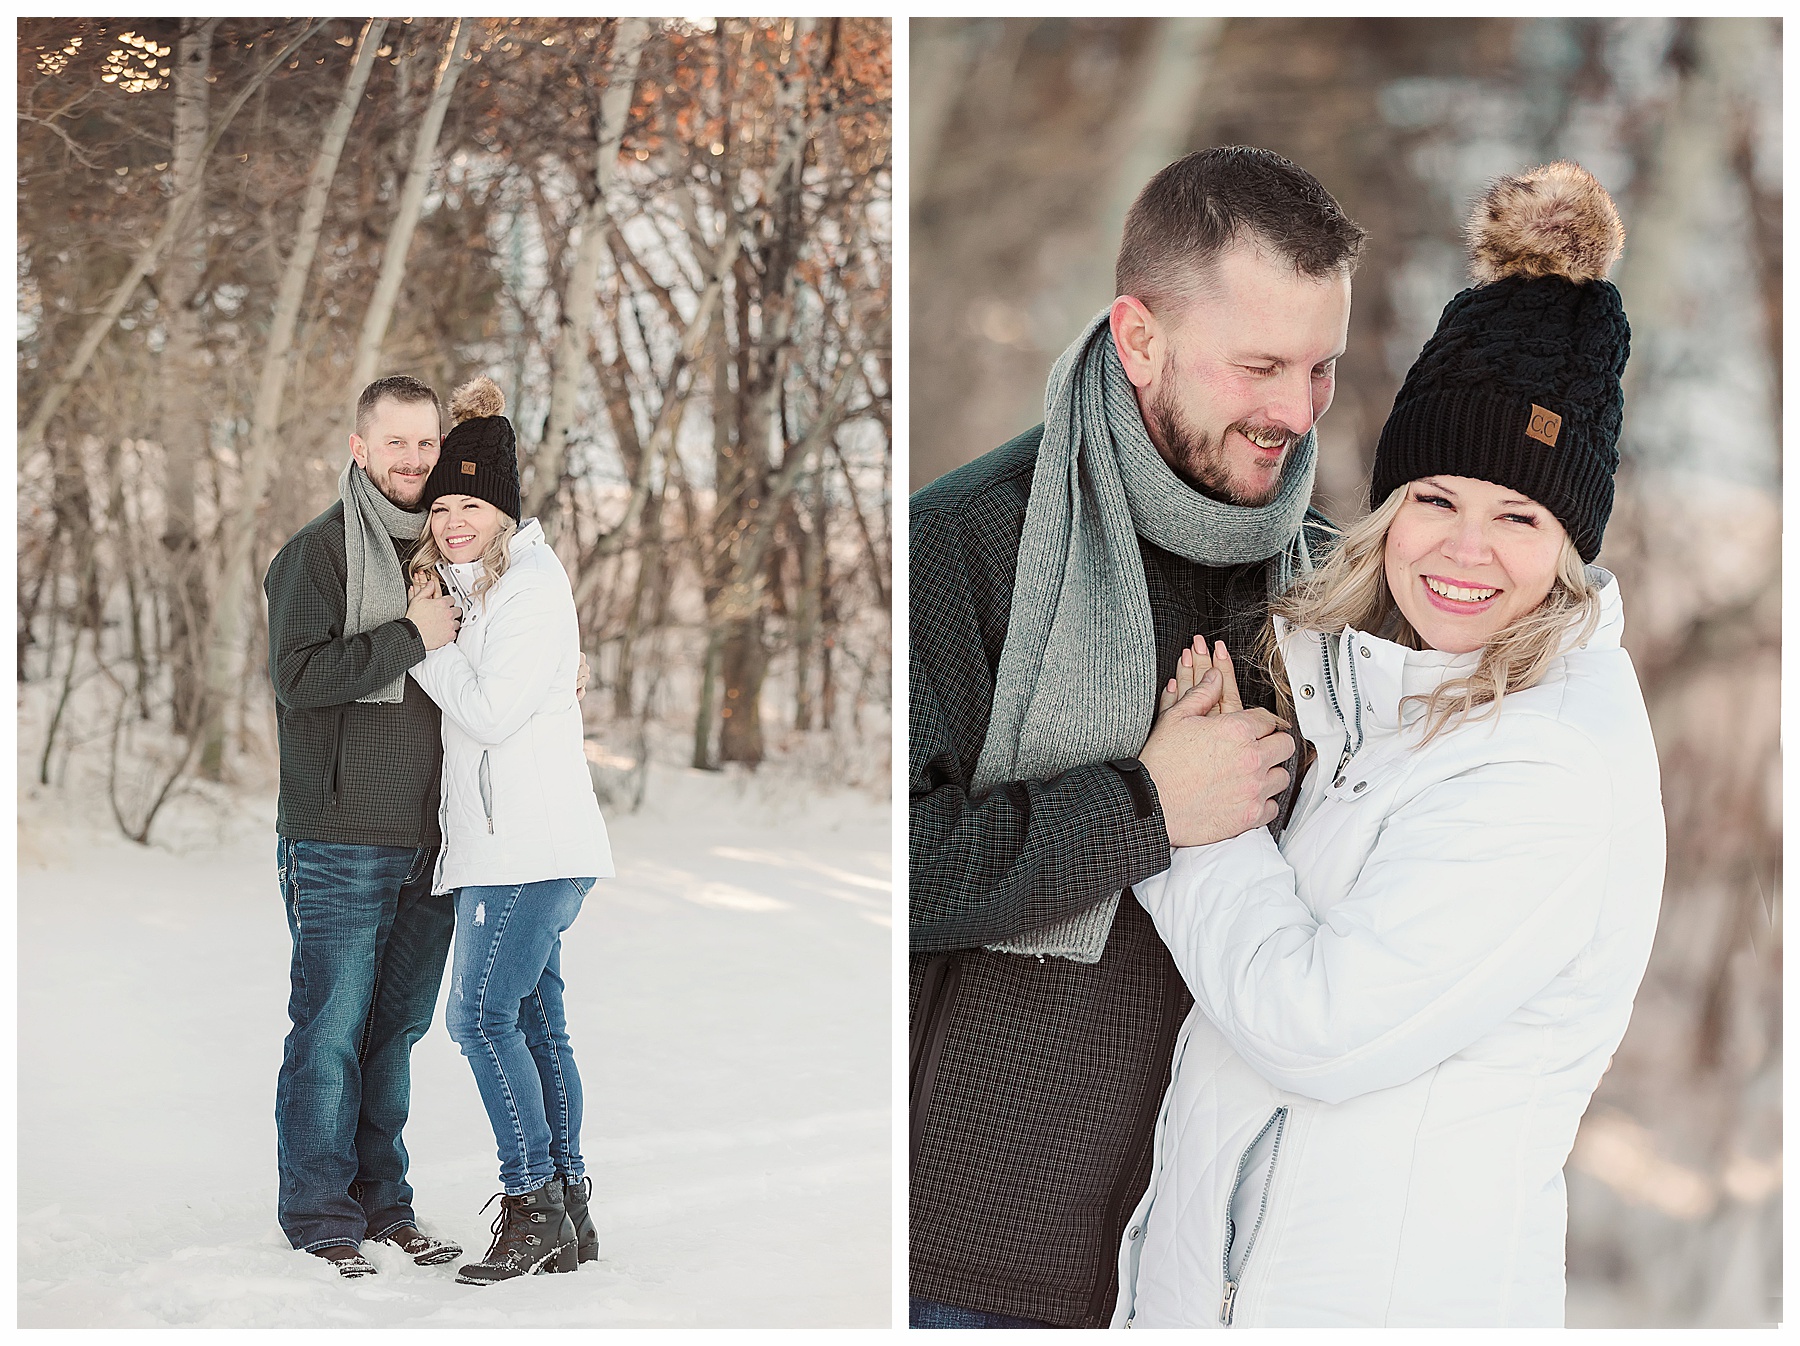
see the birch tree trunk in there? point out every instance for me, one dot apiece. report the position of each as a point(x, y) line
point(782, 203)
point(644, 613)
point(579, 294)
point(146, 262)
point(806, 617)
point(185, 414)
point(412, 201)
point(711, 546)
point(1688, 167)
point(227, 627)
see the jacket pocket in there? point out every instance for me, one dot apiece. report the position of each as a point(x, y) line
point(1246, 1206)
point(334, 760)
point(484, 782)
point(931, 1020)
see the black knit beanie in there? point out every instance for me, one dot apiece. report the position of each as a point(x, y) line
point(479, 456)
point(1519, 385)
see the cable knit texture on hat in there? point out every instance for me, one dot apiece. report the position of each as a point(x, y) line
point(479, 456)
point(1520, 384)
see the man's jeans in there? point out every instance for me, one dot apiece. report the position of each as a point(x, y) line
point(506, 1013)
point(369, 947)
point(929, 1313)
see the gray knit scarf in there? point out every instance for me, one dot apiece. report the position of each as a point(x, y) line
point(1077, 676)
point(374, 585)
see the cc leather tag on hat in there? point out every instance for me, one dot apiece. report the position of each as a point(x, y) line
point(1543, 427)
point(468, 468)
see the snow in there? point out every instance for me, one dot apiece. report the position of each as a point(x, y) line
point(729, 1004)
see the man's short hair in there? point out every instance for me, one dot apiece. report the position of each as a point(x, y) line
point(400, 387)
point(1199, 205)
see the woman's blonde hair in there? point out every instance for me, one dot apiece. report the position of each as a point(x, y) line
point(494, 559)
point(1351, 589)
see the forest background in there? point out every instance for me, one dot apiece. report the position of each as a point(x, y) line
point(668, 241)
point(1029, 138)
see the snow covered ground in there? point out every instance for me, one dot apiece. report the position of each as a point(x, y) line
point(729, 1002)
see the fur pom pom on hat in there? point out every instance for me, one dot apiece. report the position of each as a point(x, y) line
point(1520, 384)
point(480, 396)
point(480, 455)
point(1553, 221)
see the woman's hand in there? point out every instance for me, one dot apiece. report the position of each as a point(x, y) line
point(436, 617)
point(1195, 661)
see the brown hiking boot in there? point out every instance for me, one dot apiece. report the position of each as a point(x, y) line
point(532, 1235)
point(424, 1250)
point(348, 1262)
point(577, 1193)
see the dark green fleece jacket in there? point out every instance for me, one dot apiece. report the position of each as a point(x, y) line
point(351, 771)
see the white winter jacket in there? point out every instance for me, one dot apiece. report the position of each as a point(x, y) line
point(518, 803)
point(1401, 1013)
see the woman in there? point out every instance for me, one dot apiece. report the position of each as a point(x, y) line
point(1402, 1012)
point(523, 837)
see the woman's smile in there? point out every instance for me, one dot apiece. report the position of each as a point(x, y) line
point(1458, 596)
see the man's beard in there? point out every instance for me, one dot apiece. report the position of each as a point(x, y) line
point(1196, 457)
point(386, 486)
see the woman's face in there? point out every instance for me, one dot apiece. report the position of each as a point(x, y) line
point(463, 525)
point(1466, 558)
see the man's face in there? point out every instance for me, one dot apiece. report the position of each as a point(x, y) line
point(399, 449)
point(1248, 364)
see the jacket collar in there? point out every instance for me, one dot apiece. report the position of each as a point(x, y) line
point(462, 575)
point(1356, 682)
point(528, 534)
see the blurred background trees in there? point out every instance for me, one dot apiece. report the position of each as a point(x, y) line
point(668, 241)
point(1029, 138)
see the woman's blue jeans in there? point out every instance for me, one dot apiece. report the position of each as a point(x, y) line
point(506, 1013)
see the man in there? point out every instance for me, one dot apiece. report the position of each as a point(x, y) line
point(1055, 583)
point(358, 836)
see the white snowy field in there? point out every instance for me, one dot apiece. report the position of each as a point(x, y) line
point(729, 1004)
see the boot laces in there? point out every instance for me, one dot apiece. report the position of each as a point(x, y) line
point(508, 1205)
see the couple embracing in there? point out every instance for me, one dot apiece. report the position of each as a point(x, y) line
point(423, 647)
point(1279, 893)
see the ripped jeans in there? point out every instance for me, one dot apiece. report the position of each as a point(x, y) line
point(506, 1013)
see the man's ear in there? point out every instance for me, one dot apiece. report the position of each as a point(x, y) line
point(1138, 338)
point(359, 451)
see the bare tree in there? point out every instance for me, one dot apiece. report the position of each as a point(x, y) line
point(224, 650)
point(146, 262)
point(737, 256)
point(186, 415)
point(412, 201)
point(579, 294)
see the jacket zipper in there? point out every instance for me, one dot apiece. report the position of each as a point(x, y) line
point(937, 992)
point(1228, 1301)
point(1352, 736)
point(1168, 1027)
point(485, 784)
point(334, 776)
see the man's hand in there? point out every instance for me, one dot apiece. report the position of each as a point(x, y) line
point(581, 676)
point(1218, 774)
point(437, 618)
